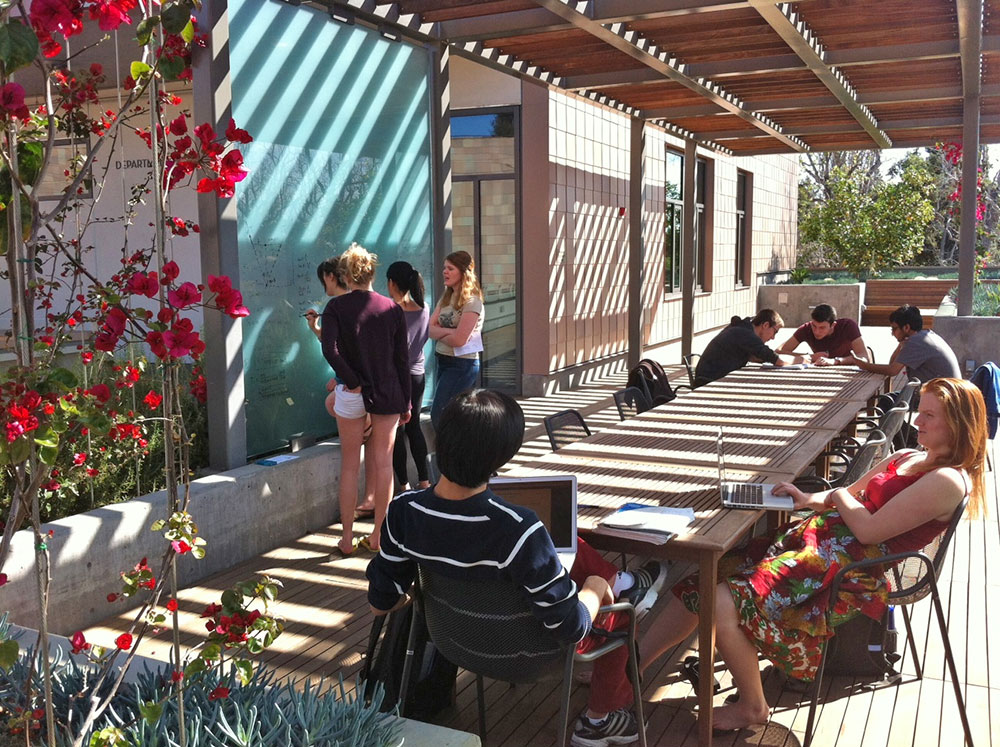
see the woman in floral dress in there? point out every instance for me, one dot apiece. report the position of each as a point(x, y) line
point(773, 594)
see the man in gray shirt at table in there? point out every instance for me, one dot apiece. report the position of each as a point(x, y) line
point(739, 343)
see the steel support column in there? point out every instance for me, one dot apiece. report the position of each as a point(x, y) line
point(441, 153)
point(688, 259)
point(967, 234)
point(223, 358)
point(636, 243)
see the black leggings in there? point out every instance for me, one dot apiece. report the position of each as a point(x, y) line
point(418, 446)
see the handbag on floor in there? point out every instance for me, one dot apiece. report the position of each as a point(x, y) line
point(862, 647)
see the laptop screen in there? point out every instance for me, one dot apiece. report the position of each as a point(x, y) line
point(552, 498)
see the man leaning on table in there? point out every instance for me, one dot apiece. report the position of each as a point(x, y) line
point(924, 354)
point(739, 343)
point(834, 342)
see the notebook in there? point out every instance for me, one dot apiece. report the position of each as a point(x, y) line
point(553, 499)
point(747, 495)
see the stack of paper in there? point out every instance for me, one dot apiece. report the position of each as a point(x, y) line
point(654, 524)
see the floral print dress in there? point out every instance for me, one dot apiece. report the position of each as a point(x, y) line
point(782, 588)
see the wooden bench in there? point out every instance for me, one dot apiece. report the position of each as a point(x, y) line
point(882, 297)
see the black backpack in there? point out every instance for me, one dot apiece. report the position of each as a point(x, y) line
point(432, 677)
point(863, 648)
point(650, 378)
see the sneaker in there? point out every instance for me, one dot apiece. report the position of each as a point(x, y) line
point(619, 727)
point(646, 589)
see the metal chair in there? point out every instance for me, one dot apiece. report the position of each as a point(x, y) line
point(565, 427)
point(630, 402)
point(889, 422)
point(874, 447)
point(871, 354)
point(488, 628)
point(691, 363)
point(911, 577)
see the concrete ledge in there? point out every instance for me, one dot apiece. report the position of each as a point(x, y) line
point(973, 338)
point(241, 514)
point(795, 302)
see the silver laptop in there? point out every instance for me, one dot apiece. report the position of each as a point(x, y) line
point(748, 495)
point(553, 499)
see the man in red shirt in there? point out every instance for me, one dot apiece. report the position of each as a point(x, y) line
point(834, 342)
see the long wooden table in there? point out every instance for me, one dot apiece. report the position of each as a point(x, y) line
point(775, 423)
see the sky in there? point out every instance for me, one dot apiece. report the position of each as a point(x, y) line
point(891, 156)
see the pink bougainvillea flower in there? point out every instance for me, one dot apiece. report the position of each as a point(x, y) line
point(179, 126)
point(171, 271)
point(52, 16)
point(156, 344)
point(219, 693)
point(176, 675)
point(181, 547)
point(3, 579)
point(78, 642)
point(211, 610)
point(171, 605)
point(79, 458)
point(110, 14)
point(152, 400)
point(185, 296)
point(231, 167)
point(180, 340)
point(143, 284)
point(100, 392)
point(86, 357)
point(12, 101)
point(115, 321)
point(199, 388)
point(235, 135)
point(124, 641)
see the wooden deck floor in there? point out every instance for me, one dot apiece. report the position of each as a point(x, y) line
point(327, 623)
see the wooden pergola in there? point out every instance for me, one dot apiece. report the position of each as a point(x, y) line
point(748, 77)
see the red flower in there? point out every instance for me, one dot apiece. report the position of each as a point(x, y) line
point(124, 641)
point(93, 472)
point(156, 344)
point(232, 167)
point(219, 693)
point(187, 295)
point(79, 458)
point(180, 547)
point(110, 14)
point(12, 101)
point(112, 597)
point(171, 271)
point(78, 642)
point(211, 610)
point(141, 284)
point(100, 392)
point(86, 357)
point(235, 135)
point(3, 579)
point(152, 400)
point(199, 388)
point(179, 125)
point(52, 16)
point(176, 676)
point(172, 605)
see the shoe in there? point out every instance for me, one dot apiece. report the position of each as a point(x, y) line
point(339, 554)
point(690, 670)
point(619, 727)
point(646, 589)
point(365, 543)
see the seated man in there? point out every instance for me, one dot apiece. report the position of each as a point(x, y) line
point(739, 343)
point(832, 340)
point(921, 352)
point(461, 528)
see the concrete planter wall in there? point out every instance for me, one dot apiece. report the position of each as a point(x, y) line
point(795, 302)
point(241, 514)
point(975, 339)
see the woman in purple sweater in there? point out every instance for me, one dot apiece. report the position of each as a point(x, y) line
point(364, 340)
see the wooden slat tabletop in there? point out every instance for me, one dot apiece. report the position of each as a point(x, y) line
point(799, 415)
point(854, 390)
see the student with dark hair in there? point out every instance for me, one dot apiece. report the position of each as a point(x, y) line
point(460, 528)
point(922, 352)
point(742, 341)
point(406, 287)
point(834, 342)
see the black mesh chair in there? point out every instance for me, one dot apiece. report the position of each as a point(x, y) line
point(488, 628)
point(911, 577)
point(630, 402)
point(564, 428)
point(889, 422)
point(854, 465)
point(691, 363)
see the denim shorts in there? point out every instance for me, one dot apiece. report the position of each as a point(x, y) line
point(349, 405)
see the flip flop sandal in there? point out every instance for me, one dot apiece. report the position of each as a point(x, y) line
point(339, 554)
point(365, 544)
point(690, 672)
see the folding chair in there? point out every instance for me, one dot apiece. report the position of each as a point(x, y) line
point(691, 363)
point(488, 628)
point(630, 402)
point(911, 577)
point(564, 428)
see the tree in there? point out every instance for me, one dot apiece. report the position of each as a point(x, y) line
point(870, 227)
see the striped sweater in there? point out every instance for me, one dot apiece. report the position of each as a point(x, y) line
point(481, 537)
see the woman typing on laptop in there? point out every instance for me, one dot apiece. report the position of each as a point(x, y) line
point(773, 595)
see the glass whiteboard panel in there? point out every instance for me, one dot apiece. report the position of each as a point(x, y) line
point(341, 153)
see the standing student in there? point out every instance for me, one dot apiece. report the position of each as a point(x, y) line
point(364, 340)
point(406, 287)
point(456, 324)
point(328, 273)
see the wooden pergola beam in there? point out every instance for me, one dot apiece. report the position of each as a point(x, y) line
point(634, 45)
point(794, 32)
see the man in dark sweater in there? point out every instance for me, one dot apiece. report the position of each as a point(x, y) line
point(739, 343)
point(460, 528)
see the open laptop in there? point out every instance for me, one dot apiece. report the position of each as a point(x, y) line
point(553, 499)
point(748, 495)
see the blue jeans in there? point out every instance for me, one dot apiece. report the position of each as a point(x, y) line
point(454, 376)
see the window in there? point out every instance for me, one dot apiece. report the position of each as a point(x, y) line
point(744, 200)
point(674, 222)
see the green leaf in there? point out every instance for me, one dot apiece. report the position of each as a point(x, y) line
point(18, 46)
point(244, 670)
point(47, 438)
point(172, 68)
point(19, 450)
point(195, 667)
point(175, 17)
point(212, 652)
point(138, 70)
point(198, 552)
point(254, 646)
point(158, 525)
point(145, 29)
point(63, 376)
point(230, 599)
point(151, 712)
point(8, 653)
point(48, 455)
point(270, 592)
point(187, 33)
